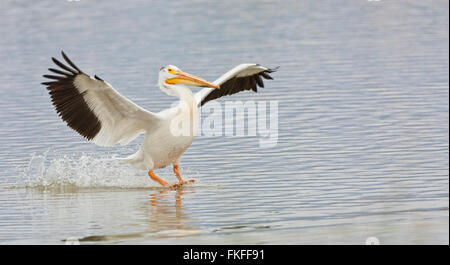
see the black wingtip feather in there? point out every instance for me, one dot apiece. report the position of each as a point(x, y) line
point(272, 70)
point(69, 102)
point(70, 62)
point(238, 84)
point(58, 63)
point(266, 76)
point(259, 81)
point(98, 78)
point(53, 77)
point(56, 71)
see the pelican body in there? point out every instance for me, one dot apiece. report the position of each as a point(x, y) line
point(94, 109)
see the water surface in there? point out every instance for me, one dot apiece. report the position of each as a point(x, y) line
point(363, 119)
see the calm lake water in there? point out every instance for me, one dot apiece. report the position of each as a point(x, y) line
point(363, 123)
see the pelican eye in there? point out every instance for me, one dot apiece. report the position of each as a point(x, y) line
point(171, 71)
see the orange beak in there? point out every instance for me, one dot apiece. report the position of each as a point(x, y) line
point(191, 80)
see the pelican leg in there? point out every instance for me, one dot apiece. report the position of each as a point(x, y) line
point(156, 178)
point(176, 170)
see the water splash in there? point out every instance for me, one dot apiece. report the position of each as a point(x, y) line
point(83, 171)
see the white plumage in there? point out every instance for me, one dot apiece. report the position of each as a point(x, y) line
point(122, 120)
point(98, 112)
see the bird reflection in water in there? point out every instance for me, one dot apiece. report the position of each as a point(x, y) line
point(160, 207)
point(166, 215)
point(163, 215)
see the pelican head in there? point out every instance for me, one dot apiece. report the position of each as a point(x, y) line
point(171, 77)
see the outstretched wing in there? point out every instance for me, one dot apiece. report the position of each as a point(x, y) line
point(240, 78)
point(94, 109)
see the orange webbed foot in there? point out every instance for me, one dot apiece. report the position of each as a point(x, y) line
point(176, 170)
point(180, 182)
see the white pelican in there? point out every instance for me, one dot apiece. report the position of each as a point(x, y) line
point(94, 109)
